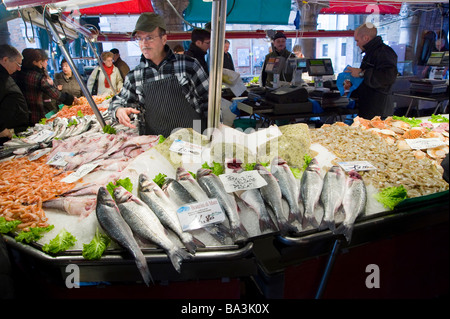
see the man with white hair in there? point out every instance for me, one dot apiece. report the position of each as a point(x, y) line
point(379, 70)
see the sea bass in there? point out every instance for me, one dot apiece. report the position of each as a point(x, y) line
point(288, 186)
point(114, 225)
point(214, 188)
point(332, 194)
point(310, 188)
point(354, 203)
point(152, 195)
point(191, 185)
point(271, 193)
point(143, 221)
point(176, 192)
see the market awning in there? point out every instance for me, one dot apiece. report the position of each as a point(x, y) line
point(243, 12)
point(362, 7)
point(126, 7)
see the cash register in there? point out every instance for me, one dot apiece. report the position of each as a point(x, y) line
point(435, 84)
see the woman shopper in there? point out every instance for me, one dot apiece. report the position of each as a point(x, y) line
point(98, 84)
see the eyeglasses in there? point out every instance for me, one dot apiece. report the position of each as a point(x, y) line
point(148, 39)
point(19, 65)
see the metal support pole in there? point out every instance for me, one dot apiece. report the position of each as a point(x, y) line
point(330, 263)
point(218, 22)
point(100, 64)
point(69, 60)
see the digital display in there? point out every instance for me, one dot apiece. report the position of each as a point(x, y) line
point(301, 64)
point(319, 67)
point(435, 58)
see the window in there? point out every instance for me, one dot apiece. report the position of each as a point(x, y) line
point(325, 50)
point(343, 49)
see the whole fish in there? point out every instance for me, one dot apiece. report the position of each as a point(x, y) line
point(152, 195)
point(288, 186)
point(332, 194)
point(176, 192)
point(310, 188)
point(143, 221)
point(73, 205)
point(354, 203)
point(214, 188)
point(114, 225)
point(271, 193)
point(191, 185)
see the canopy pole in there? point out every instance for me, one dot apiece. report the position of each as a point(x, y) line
point(218, 22)
point(69, 60)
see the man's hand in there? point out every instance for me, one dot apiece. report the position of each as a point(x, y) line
point(6, 133)
point(354, 71)
point(123, 115)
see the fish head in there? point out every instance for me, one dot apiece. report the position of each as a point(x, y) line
point(278, 160)
point(167, 183)
point(336, 169)
point(104, 197)
point(313, 165)
point(182, 174)
point(234, 164)
point(261, 169)
point(121, 195)
point(201, 172)
point(144, 183)
point(354, 175)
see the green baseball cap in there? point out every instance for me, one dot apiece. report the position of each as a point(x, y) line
point(148, 21)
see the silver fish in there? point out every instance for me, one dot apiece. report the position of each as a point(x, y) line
point(176, 192)
point(82, 205)
point(191, 185)
point(332, 194)
point(288, 185)
point(354, 203)
point(151, 194)
point(214, 188)
point(310, 188)
point(114, 225)
point(271, 193)
point(143, 221)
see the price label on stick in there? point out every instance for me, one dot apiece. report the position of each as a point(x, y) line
point(80, 172)
point(58, 158)
point(357, 166)
point(201, 214)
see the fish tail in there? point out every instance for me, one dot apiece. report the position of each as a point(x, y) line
point(142, 265)
point(330, 224)
point(266, 224)
point(177, 256)
point(240, 231)
point(191, 243)
point(345, 230)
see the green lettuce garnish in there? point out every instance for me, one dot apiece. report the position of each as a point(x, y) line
point(73, 122)
point(391, 196)
point(410, 120)
point(161, 139)
point(80, 114)
point(438, 119)
point(217, 168)
point(296, 172)
point(125, 183)
point(307, 160)
point(63, 241)
point(97, 246)
point(160, 179)
point(7, 226)
point(108, 129)
point(34, 234)
point(251, 166)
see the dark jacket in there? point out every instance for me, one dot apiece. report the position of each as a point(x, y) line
point(69, 85)
point(228, 61)
point(33, 85)
point(197, 53)
point(266, 77)
point(122, 66)
point(380, 72)
point(13, 106)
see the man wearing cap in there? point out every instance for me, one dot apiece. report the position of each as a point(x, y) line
point(166, 90)
point(119, 63)
point(278, 49)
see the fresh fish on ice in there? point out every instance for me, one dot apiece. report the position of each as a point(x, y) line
point(310, 189)
point(354, 203)
point(82, 205)
point(332, 194)
point(143, 221)
point(288, 185)
point(114, 225)
point(271, 193)
point(151, 194)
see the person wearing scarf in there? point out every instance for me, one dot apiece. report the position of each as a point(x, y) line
point(113, 73)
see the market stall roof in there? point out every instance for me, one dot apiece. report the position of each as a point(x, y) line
point(362, 7)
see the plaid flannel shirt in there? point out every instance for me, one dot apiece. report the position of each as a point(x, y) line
point(190, 75)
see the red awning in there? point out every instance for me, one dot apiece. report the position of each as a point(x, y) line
point(362, 7)
point(126, 7)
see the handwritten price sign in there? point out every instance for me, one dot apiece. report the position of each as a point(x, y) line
point(357, 166)
point(242, 181)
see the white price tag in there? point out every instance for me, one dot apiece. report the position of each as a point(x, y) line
point(186, 148)
point(242, 181)
point(40, 136)
point(80, 172)
point(201, 214)
point(39, 153)
point(58, 159)
point(357, 166)
point(424, 143)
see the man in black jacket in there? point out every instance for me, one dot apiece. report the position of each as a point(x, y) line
point(13, 106)
point(379, 70)
point(200, 43)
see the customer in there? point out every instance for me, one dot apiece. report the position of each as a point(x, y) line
point(279, 49)
point(120, 64)
point(50, 105)
point(167, 90)
point(379, 70)
point(13, 107)
point(65, 81)
point(34, 84)
point(227, 58)
point(97, 83)
point(297, 49)
point(200, 43)
point(178, 49)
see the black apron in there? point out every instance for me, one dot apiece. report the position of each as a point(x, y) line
point(166, 108)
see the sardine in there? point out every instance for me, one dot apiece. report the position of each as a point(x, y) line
point(152, 195)
point(288, 186)
point(310, 188)
point(114, 225)
point(354, 203)
point(143, 221)
point(271, 193)
point(332, 194)
point(214, 188)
